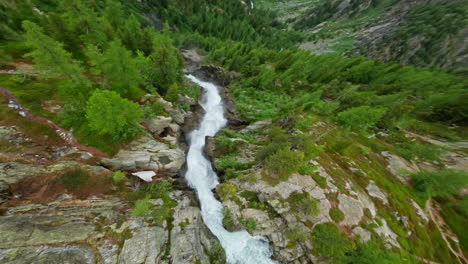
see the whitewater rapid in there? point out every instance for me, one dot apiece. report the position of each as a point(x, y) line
point(240, 246)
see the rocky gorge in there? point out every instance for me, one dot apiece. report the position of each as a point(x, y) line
point(44, 221)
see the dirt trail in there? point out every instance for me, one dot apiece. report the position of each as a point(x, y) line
point(13, 103)
point(445, 231)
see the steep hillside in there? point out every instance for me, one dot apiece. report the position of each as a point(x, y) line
point(422, 33)
point(321, 159)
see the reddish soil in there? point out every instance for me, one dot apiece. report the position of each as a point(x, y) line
point(61, 132)
point(46, 188)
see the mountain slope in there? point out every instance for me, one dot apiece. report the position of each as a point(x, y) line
point(421, 32)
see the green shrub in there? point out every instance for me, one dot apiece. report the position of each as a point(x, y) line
point(228, 219)
point(321, 181)
point(225, 145)
point(437, 183)
point(118, 177)
point(303, 204)
point(250, 224)
point(375, 253)
point(217, 255)
point(336, 215)
point(226, 190)
point(307, 169)
point(305, 144)
point(230, 162)
point(360, 118)
point(305, 124)
point(75, 178)
point(109, 114)
point(330, 242)
point(173, 93)
point(155, 108)
point(422, 152)
point(142, 207)
point(284, 163)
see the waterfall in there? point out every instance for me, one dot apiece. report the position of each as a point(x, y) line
point(240, 246)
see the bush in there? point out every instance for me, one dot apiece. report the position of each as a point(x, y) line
point(228, 219)
point(437, 183)
point(336, 215)
point(307, 169)
point(321, 181)
point(229, 162)
point(226, 190)
point(155, 108)
point(422, 152)
point(225, 145)
point(303, 204)
point(360, 118)
point(118, 177)
point(374, 253)
point(330, 242)
point(251, 224)
point(110, 114)
point(75, 178)
point(173, 93)
point(217, 255)
point(284, 163)
point(305, 124)
point(142, 207)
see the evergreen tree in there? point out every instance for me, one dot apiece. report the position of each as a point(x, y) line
point(110, 114)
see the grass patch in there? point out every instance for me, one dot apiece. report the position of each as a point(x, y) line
point(75, 178)
point(421, 152)
point(336, 215)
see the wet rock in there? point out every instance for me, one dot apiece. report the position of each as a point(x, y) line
point(210, 147)
point(190, 238)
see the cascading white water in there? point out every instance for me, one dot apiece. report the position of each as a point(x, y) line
point(240, 246)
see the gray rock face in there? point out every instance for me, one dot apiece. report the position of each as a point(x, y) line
point(351, 208)
point(158, 124)
point(146, 153)
point(146, 245)
point(375, 192)
point(399, 166)
point(13, 172)
point(190, 238)
point(29, 230)
point(364, 235)
point(48, 255)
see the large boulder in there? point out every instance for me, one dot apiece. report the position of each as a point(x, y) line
point(146, 153)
